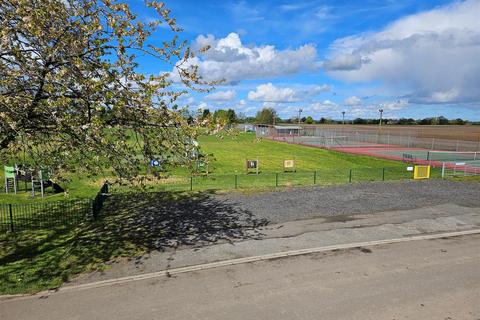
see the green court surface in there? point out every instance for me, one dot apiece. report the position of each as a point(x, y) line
point(468, 158)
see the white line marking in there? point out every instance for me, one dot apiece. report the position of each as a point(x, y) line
point(232, 262)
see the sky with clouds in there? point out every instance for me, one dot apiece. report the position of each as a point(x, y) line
point(411, 58)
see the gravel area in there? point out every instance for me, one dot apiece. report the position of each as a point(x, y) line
point(311, 202)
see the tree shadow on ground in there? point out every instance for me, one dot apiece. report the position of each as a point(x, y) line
point(156, 221)
point(130, 225)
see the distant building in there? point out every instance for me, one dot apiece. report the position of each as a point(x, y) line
point(287, 130)
point(278, 131)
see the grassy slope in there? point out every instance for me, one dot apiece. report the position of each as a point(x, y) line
point(230, 153)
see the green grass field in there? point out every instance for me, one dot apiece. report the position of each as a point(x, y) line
point(230, 153)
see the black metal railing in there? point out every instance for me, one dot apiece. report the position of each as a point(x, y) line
point(50, 214)
point(100, 198)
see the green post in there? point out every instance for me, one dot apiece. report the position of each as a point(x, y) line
point(350, 176)
point(236, 182)
point(315, 177)
point(383, 174)
point(11, 216)
point(191, 183)
point(276, 179)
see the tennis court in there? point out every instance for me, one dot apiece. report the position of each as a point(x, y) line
point(467, 163)
point(443, 153)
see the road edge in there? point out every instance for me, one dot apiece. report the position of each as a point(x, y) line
point(231, 262)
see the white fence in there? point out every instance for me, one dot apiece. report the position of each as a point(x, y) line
point(457, 169)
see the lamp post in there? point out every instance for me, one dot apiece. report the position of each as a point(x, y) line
point(381, 116)
point(343, 117)
point(300, 110)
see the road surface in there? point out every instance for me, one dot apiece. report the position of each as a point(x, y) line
point(431, 279)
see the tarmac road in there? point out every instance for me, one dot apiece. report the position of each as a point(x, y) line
point(429, 279)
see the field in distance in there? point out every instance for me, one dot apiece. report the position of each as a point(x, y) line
point(453, 132)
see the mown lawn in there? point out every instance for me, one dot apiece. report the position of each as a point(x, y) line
point(230, 153)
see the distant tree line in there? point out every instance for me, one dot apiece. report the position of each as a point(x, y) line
point(270, 116)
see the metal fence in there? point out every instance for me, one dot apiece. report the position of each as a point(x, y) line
point(275, 179)
point(332, 138)
point(100, 198)
point(460, 169)
point(39, 215)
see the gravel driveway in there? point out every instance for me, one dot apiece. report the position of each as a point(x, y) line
point(311, 202)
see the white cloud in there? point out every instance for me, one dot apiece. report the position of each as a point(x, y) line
point(270, 93)
point(325, 108)
point(353, 101)
point(393, 106)
point(319, 89)
point(230, 60)
point(227, 95)
point(185, 99)
point(433, 55)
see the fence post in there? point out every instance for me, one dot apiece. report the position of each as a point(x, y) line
point(236, 181)
point(11, 217)
point(191, 183)
point(383, 174)
point(315, 177)
point(350, 176)
point(443, 170)
point(276, 179)
point(94, 208)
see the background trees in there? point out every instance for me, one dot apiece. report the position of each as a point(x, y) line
point(266, 116)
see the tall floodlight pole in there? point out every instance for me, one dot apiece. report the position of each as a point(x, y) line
point(343, 117)
point(300, 110)
point(381, 117)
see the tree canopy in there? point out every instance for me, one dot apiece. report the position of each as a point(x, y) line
point(266, 116)
point(71, 92)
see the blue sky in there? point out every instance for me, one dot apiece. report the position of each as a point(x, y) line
point(411, 58)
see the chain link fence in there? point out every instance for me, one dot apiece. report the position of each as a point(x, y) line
point(273, 179)
point(341, 138)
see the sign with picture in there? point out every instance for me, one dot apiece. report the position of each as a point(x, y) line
point(289, 164)
point(252, 164)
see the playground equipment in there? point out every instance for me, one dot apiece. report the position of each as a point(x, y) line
point(38, 179)
point(10, 179)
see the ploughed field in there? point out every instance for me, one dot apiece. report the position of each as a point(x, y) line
point(453, 132)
